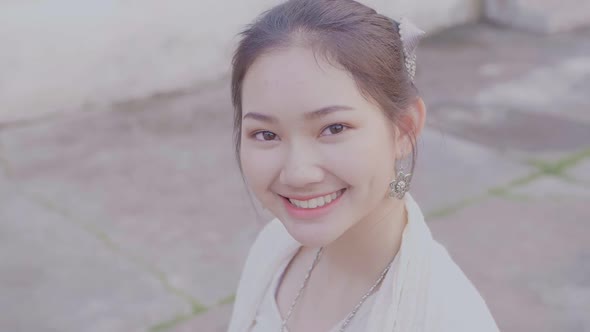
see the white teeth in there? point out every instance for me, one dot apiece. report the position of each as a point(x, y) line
point(313, 203)
point(316, 202)
point(321, 201)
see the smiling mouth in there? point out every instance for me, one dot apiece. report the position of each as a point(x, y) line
point(315, 202)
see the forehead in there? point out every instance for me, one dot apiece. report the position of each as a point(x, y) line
point(295, 79)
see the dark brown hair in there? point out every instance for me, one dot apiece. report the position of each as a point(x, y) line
point(346, 33)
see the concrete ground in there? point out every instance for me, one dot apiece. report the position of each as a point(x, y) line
point(136, 219)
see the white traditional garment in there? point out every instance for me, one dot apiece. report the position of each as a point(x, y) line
point(429, 293)
point(269, 318)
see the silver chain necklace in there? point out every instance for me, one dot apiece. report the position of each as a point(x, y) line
point(352, 313)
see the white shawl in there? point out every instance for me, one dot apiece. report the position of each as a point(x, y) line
point(430, 292)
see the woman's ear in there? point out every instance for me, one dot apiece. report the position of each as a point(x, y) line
point(418, 113)
point(413, 122)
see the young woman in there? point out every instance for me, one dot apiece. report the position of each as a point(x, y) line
point(326, 120)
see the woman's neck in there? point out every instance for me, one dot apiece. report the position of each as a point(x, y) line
point(366, 249)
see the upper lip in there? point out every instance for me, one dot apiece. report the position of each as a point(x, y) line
point(306, 198)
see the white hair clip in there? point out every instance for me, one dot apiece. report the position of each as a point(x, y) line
point(410, 35)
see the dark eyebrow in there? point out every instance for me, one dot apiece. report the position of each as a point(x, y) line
point(313, 115)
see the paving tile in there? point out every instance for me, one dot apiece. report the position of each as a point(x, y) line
point(450, 170)
point(162, 185)
point(550, 187)
point(515, 92)
point(581, 172)
point(524, 135)
point(557, 88)
point(529, 259)
point(56, 276)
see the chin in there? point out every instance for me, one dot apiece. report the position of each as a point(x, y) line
point(311, 234)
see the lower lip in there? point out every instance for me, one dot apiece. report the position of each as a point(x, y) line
point(302, 213)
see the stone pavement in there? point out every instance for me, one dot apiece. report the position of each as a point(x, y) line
point(136, 218)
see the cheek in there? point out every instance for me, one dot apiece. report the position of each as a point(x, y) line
point(362, 161)
point(259, 167)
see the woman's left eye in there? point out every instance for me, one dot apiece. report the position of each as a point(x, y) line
point(334, 129)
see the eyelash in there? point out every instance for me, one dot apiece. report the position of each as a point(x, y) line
point(344, 128)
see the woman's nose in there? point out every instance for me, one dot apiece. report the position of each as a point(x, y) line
point(300, 169)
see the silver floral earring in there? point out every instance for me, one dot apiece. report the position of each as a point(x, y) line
point(400, 186)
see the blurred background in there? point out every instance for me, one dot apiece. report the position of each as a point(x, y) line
point(122, 207)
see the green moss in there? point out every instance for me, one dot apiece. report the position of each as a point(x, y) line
point(227, 300)
point(559, 167)
point(523, 180)
point(448, 210)
point(197, 310)
point(505, 193)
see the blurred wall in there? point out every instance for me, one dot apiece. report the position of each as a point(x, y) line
point(544, 16)
point(66, 55)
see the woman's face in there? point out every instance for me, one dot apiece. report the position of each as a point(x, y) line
point(308, 132)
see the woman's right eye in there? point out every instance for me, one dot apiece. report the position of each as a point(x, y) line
point(264, 135)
